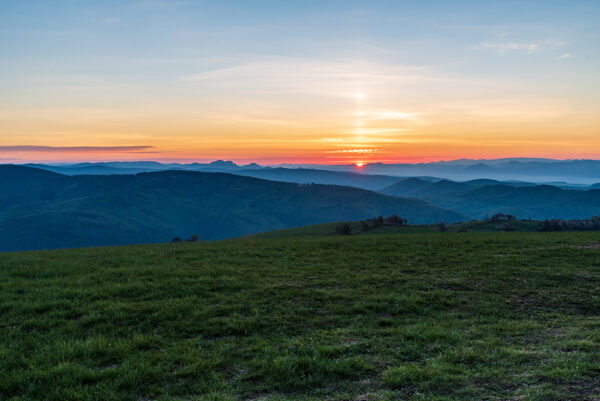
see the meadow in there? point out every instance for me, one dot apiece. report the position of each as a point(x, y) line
point(412, 316)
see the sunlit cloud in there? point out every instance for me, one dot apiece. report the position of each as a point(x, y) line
point(393, 115)
point(375, 131)
point(353, 151)
point(565, 56)
point(516, 110)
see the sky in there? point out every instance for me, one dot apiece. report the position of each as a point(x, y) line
point(298, 81)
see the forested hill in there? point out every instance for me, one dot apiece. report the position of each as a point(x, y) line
point(41, 209)
point(481, 198)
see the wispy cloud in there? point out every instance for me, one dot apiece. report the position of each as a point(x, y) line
point(337, 77)
point(565, 56)
point(77, 149)
point(354, 151)
point(505, 47)
point(527, 47)
point(393, 115)
point(554, 42)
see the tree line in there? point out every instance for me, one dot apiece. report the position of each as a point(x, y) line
point(368, 224)
point(591, 224)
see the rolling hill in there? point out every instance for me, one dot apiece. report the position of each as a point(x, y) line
point(479, 198)
point(295, 175)
point(315, 176)
point(40, 209)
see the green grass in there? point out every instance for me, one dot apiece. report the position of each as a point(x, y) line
point(470, 316)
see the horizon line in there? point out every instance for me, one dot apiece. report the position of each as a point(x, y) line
point(360, 164)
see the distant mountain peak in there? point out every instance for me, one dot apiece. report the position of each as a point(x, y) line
point(223, 163)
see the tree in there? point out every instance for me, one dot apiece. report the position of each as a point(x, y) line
point(343, 229)
point(176, 239)
point(364, 226)
point(193, 238)
point(394, 220)
point(442, 227)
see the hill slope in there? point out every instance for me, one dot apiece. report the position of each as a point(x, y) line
point(479, 198)
point(511, 316)
point(40, 209)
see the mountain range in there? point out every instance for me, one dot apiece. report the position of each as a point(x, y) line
point(573, 173)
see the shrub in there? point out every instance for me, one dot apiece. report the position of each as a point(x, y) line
point(502, 217)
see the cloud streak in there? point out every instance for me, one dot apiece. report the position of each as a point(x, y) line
point(505, 47)
point(75, 149)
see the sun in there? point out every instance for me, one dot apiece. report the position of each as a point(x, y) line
point(359, 164)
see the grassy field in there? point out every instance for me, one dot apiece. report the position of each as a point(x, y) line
point(454, 316)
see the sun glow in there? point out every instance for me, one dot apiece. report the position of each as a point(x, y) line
point(359, 96)
point(359, 164)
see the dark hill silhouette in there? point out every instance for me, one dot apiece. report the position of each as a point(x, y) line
point(307, 176)
point(296, 175)
point(40, 209)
